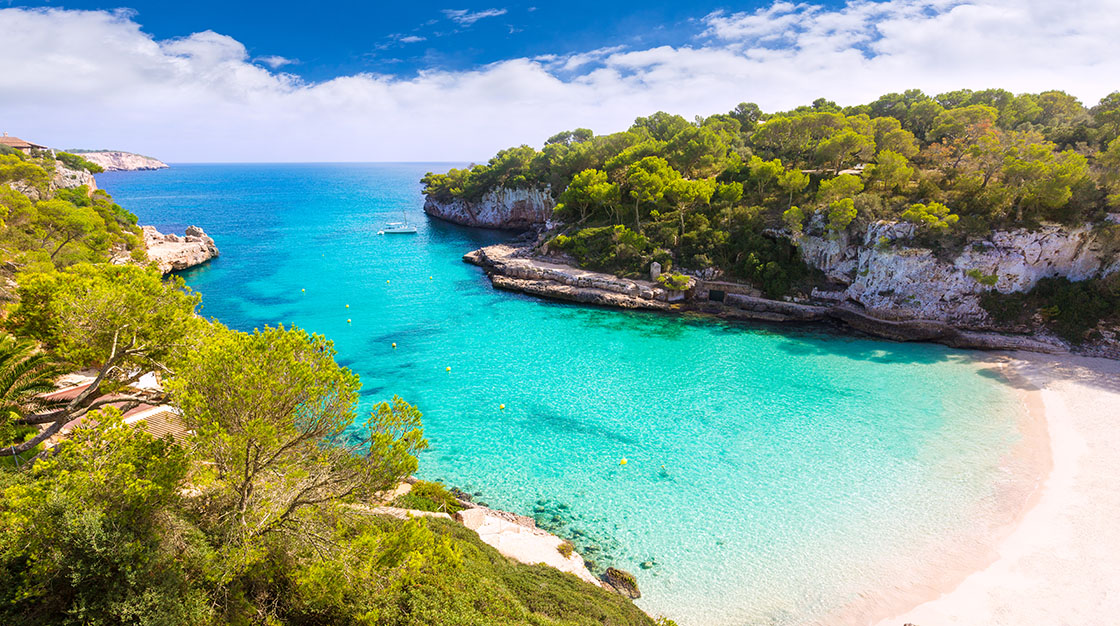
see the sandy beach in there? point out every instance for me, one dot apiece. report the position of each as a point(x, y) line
point(1060, 564)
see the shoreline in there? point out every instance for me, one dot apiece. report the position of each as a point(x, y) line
point(1060, 561)
point(945, 563)
point(1029, 556)
point(509, 268)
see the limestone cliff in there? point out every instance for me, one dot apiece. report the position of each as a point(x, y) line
point(173, 253)
point(498, 208)
point(62, 177)
point(882, 269)
point(116, 161)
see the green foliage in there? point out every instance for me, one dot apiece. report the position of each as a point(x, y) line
point(988, 280)
point(933, 216)
point(89, 314)
point(89, 538)
point(76, 162)
point(1072, 309)
point(840, 214)
point(794, 219)
point(26, 374)
point(428, 496)
point(673, 282)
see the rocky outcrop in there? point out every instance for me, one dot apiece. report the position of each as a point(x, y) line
point(173, 253)
point(883, 270)
point(116, 161)
point(63, 177)
point(623, 582)
point(513, 269)
point(514, 209)
point(516, 269)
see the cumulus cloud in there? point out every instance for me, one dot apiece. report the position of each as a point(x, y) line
point(93, 78)
point(466, 17)
point(275, 61)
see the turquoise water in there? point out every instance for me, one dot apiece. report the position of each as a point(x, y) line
point(772, 475)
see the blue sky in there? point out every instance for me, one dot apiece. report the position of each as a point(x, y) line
point(284, 81)
point(330, 39)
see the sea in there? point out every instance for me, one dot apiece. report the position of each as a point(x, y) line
point(745, 474)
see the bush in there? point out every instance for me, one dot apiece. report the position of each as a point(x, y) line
point(673, 282)
point(1070, 309)
point(76, 162)
point(429, 496)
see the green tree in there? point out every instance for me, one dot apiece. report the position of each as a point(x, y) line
point(648, 181)
point(891, 171)
point(91, 535)
point(842, 186)
point(793, 181)
point(933, 216)
point(845, 147)
point(124, 320)
point(840, 214)
point(270, 412)
point(589, 190)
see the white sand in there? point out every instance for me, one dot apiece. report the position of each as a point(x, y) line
point(1061, 563)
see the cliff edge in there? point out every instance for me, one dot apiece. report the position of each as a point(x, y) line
point(173, 253)
point(511, 209)
point(117, 161)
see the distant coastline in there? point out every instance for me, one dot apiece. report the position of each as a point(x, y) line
point(120, 161)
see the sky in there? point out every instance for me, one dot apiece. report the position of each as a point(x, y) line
point(412, 81)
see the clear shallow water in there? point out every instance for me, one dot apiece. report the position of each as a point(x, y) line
point(771, 477)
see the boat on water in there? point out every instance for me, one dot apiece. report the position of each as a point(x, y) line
point(397, 228)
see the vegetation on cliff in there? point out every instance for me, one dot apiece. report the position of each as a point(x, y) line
point(43, 227)
point(732, 191)
point(259, 513)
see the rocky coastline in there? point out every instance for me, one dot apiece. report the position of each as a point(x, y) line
point(118, 161)
point(518, 268)
point(173, 253)
point(499, 208)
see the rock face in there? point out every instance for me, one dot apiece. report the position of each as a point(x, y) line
point(173, 253)
point(63, 178)
point(499, 208)
point(116, 161)
point(512, 269)
point(623, 582)
point(516, 269)
point(894, 279)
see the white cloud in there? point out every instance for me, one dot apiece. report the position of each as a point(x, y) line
point(412, 39)
point(275, 61)
point(466, 17)
point(92, 78)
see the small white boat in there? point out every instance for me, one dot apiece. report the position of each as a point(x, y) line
point(397, 228)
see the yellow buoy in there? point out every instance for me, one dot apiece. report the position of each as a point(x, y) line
point(386, 282)
point(348, 306)
point(623, 461)
point(303, 291)
point(430, 278)
point(449, 369)
point(502, 407)
point(394, 344)
point(348, 320)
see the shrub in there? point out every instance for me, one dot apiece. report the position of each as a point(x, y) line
point(674, 282)
point(429, 496)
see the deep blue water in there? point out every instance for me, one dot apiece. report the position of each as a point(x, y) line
point(772, 476)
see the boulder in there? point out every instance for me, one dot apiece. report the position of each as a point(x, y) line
point(623, 582)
